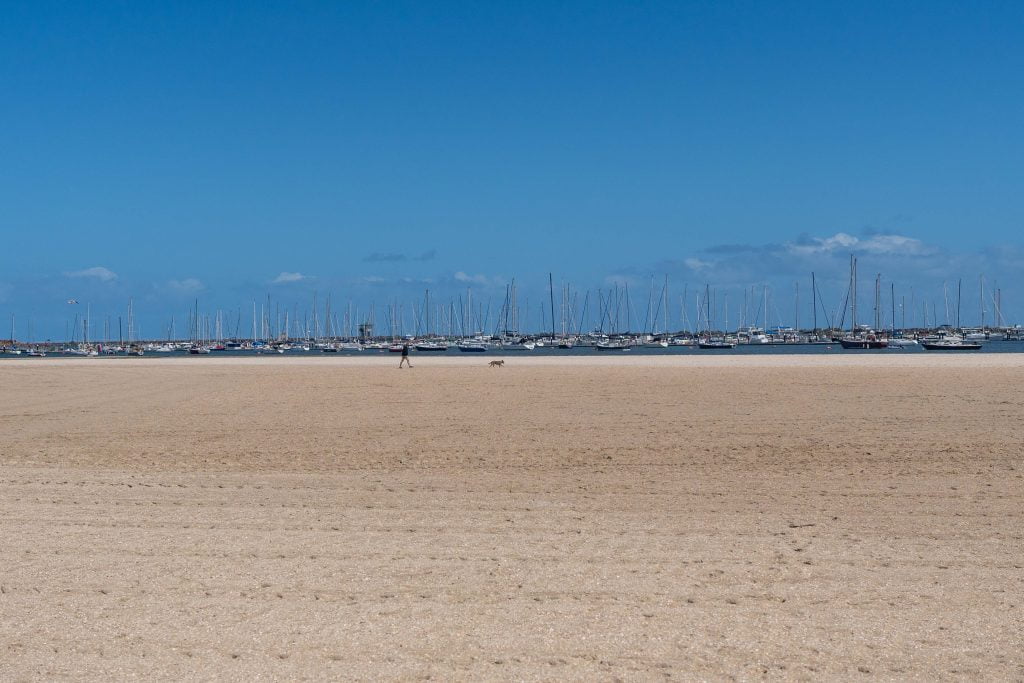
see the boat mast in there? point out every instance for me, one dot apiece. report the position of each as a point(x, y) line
point(551, 295)
point(878, 301)
point(981, 299)
point(765, 316)
point(853, 294)
point(814, 302)
point(707, 304)
point(945, 296)
point(664, 300)
point(959, 286)
point(796, 312)
point(892, 296)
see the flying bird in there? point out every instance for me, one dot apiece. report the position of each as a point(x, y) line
point(72, 301)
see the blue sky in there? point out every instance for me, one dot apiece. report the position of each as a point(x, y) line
point(234, 151)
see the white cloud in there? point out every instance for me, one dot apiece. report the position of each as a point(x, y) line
point(895, 244)
point(890, 245)
point(186, 286)
point(288, 277)
point(473, 279)
point(96, 272)
point(696, 264)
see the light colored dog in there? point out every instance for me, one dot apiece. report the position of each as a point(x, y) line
point(496, 363)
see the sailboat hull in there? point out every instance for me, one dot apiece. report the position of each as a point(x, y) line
point(472, 348)
point(863, 343)
point(960, 346)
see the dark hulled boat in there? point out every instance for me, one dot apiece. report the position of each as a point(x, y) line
point(863, 343)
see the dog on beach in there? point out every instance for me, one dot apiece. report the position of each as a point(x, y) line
point(496, 363)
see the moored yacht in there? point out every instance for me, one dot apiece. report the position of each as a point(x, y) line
point(951, 344)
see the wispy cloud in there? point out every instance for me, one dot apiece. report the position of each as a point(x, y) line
point(738, 248)
point(189, 285)
point(905, 259)
point(396, 257)
point(286, 277)
point(383, 257)
point(96, 273)
point(478, 279)
point(872, 244)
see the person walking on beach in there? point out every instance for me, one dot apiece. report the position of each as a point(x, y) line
point(405, 357)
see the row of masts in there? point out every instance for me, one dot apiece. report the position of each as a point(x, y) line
point(952, 317)
point(606, 311)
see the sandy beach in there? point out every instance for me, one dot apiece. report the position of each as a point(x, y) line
point(684, 517)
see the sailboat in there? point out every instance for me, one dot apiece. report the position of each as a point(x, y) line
point(951, 344)
point(198, 347)
point(613, 344)
point(860, 337)
point(709, 342)
point(897, 341)
point(429, 346)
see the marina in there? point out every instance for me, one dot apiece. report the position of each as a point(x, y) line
point(610, 325)
point(578, 346)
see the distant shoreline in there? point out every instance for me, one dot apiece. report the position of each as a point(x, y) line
point(880, 359)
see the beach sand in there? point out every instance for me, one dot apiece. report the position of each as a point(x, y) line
point(796, 517)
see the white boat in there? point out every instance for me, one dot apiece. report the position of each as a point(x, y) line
point(612, 346)
point(952, 344)
point(715, 343)
point(519, 346)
